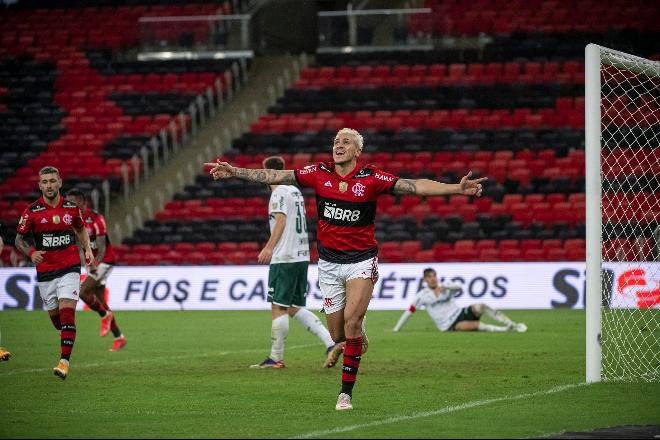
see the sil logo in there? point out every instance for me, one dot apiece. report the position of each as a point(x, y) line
point(634, 282)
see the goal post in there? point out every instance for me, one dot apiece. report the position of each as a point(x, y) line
point(622, 185)
point(593, 210)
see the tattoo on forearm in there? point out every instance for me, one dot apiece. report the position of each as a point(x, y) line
point(405, 186)
point(21, 244)
point(270, 177)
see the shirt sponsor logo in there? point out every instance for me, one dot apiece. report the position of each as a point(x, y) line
point(38, 208)
point(358, 189)
point(67, 219)
point(384, 178)
point(23, 220)
point(363, 173)
point(56, 241)
point(307, 170)
point(323, 167)
point(333, 212)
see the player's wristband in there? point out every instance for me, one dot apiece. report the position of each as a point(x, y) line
point(31, 251)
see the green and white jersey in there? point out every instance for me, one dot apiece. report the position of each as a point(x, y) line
point(441, 307)
point(294, 243)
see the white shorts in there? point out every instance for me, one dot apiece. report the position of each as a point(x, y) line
point(102, 272)
point(65, 287)
point(333, 278)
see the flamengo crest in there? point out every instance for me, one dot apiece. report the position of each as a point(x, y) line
point(358, 189)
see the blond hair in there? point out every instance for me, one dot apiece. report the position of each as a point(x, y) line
point(359, 140)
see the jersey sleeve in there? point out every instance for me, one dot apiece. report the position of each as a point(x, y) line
point(100, 227)
point(384, 181)
point(278, 202)
point(78, 221)
point(307, 176)
point(420, 299)
point(25, 223)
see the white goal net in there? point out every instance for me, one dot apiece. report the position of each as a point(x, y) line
point(623, 184)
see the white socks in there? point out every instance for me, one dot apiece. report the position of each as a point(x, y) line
point(278, 332)
point(492, 328)
point(314, 325)
point(496, 315)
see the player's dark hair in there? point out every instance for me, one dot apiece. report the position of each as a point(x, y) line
point(75, 192)
point(49, 170)
point(274, 163)
point(428, 271)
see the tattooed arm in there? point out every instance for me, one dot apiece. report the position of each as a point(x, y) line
point(22, 245)
point(426, 187)
point(222, 170)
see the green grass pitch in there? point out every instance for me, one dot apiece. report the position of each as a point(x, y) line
point(184, 374)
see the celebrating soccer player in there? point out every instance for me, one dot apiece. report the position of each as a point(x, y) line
point(56, 224)
point(448, 316)
point(346, 196)
point(92, 290)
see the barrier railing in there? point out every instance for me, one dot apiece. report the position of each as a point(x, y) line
point(374, 30)
point(195, 37)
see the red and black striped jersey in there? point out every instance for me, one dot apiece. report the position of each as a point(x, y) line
point(95, 225)
point(346, 209)
point(52, 228)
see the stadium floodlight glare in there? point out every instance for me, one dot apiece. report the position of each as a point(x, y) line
point(622, 121)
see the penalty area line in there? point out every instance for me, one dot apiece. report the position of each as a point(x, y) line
point(437, 412)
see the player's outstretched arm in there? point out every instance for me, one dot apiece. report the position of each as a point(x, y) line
point(404, 317)
point(222, 170)
point(426, 187)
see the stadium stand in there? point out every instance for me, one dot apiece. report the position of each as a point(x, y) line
point(68, 99)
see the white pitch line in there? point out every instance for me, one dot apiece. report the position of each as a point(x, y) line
point(437, 412)
point(136, 361)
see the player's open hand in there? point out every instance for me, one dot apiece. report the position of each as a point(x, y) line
point(221, 170)
point(265, 256)
point(471, 187)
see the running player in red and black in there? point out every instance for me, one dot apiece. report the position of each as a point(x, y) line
point(92, 290)
point(56, 226)
point(346, 197)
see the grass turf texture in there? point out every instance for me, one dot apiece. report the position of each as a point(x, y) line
point(184, 374)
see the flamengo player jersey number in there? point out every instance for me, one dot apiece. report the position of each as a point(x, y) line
point(346, 208)
point(52, 228)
